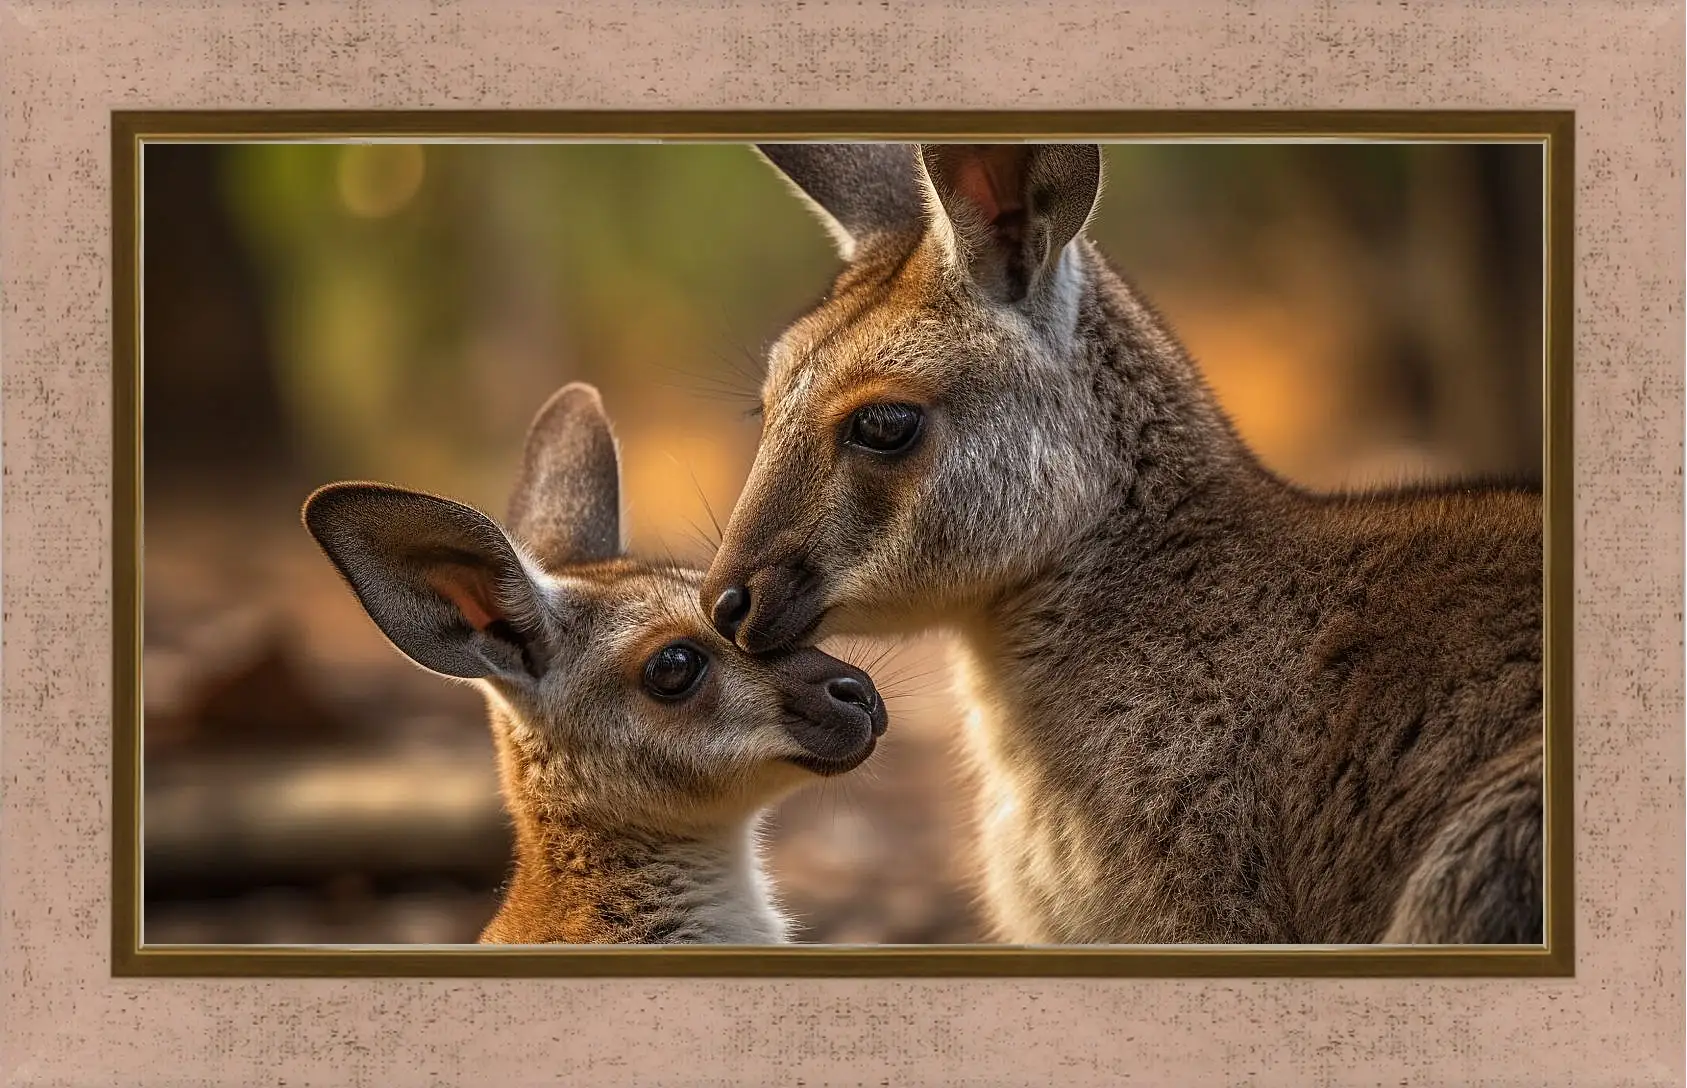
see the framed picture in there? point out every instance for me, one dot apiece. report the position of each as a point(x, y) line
point(999, 559)
point(401, 310)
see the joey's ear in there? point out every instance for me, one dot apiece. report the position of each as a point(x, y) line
point(861, 191)
point(566, 506)
point(1012, 208)
point(440, 579)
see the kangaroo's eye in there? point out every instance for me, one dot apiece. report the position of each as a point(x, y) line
point(673, 671)
point(885, 428)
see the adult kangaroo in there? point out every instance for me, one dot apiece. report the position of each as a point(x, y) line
point(1206, 706)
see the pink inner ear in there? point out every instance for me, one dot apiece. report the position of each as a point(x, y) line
point(989, 180)
point(468, 591)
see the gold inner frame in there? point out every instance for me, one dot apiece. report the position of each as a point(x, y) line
point(131, 130)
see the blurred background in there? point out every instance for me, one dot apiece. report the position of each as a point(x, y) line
point(1366, 313)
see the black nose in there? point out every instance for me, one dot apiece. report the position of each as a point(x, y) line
point(730, 609)
point(847, 689)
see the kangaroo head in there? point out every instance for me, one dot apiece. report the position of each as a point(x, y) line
point(612, 697)
point(910, 418)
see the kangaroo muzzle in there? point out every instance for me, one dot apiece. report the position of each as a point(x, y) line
point(834, 712)
point(766, 608)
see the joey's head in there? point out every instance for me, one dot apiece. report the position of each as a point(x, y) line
point(928, 435)
point(613, 698)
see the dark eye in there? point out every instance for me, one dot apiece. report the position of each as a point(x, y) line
point(673, 671)
point(885, 428)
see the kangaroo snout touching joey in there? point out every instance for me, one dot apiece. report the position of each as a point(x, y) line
point(637, 748)
point(1206, 706)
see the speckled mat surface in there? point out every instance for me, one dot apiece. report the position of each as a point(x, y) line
point(66, 65)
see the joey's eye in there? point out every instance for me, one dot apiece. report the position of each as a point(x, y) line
point(673, 671)
point(885, 428)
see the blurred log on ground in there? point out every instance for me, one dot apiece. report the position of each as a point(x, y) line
point(230, 823)
point(348, 911)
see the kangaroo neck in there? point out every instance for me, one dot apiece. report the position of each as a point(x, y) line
point(1178, 496)
point(1168, 440)
point(1168, 463)
point(578, 883)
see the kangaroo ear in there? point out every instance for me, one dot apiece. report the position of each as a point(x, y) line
point(566, 505)
point(861, 191)
point(1012, 208)
point(440, 580)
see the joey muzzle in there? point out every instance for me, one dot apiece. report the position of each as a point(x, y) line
point(834, 712)
point(763, 609)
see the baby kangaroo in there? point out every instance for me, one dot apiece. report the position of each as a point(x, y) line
point(637, 748)
point(1205, 705)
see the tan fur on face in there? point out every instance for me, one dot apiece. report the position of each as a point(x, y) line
point(635, 821)
point(608, 752)
point(905, 331)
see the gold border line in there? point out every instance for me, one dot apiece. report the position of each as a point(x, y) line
point(131, 130)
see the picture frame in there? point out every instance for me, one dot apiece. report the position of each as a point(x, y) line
point(65, 509)
point(132, 133)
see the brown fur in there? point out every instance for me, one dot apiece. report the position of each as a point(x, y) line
point(587, 879)
point(630, 832)
point(1205, 705)
point(635, 808)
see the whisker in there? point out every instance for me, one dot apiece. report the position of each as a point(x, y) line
point(711, 543)
point(740, 355)
point(893, 692)
point(710, 386)
point(910, 671)
point(885, 653)
point(720, 534)
point(702, 539)
point(848, 648)
point(665, 549)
